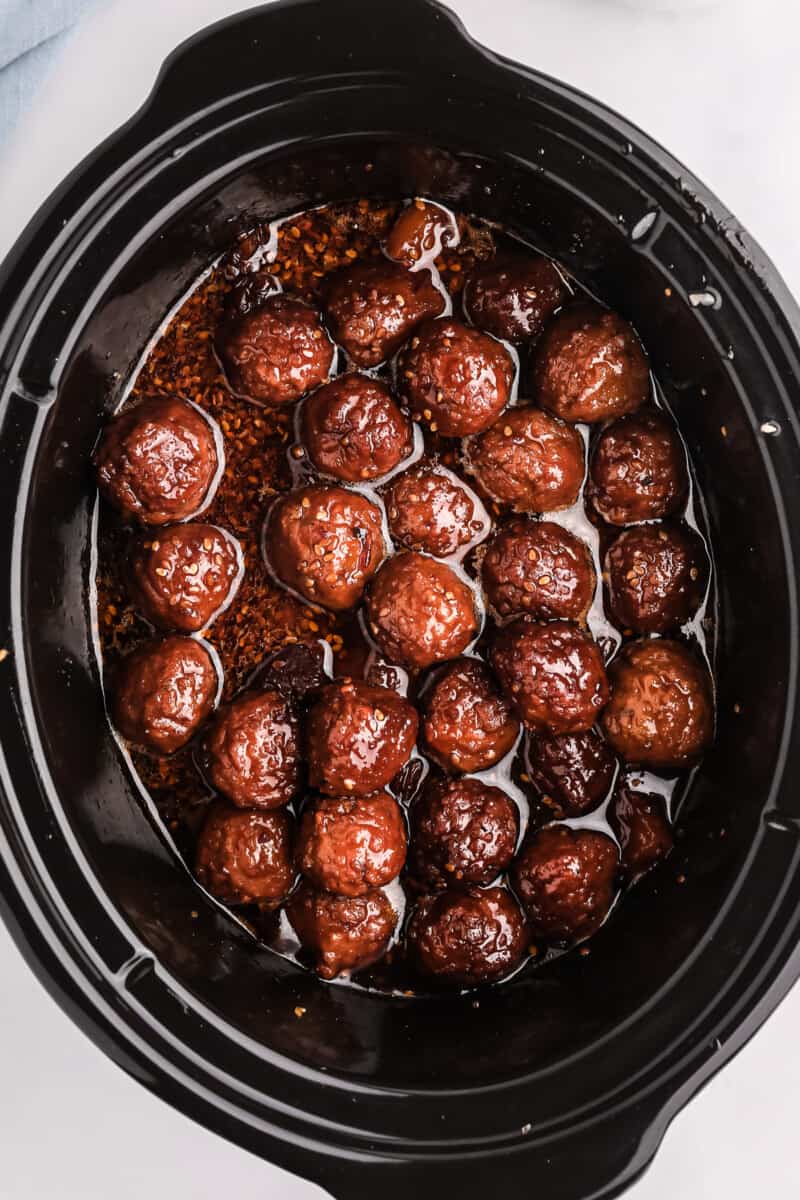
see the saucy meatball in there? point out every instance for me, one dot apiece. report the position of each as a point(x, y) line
point(637, 471)
point(574, 771)
point(661, 712)
point(163, 691)
point(277, 352)
point(553, 674)
point(540, 568)
point(373, 307)
point(590, 366)
point(354, 430)
point(513, 298)
point(639, 820)
point(420, 232)
point(358, 736)
point(566, 880)
point(419, 611)
point(467, 725)
point(351, 845)
point(325, 542)
point(186, 576)
point(656, 577)
point(455, 378)
point(528, 460)
point(250, 751)
point(467, 936)
point(462, 831)
point(244, 856)
point(428, 509)
point(159, 461)
point(341, 933)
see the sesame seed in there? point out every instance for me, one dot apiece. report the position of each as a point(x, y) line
point(192, 569)
point(299, 1012)
point(162, 571)
point(297, 451)
point(508, 431)
point(544, 580)
point(306, 503)
point(155, 546)
point(349, 784)
point(208, 544)
point(434, 427)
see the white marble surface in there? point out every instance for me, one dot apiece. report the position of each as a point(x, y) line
point(718, 84)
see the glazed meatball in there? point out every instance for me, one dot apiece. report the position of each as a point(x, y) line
point(341, 933)
point(590, 366)
point(354, 430)
point(566, 880)
point(462, 831)
point(540, 568)
point(639, 820)
point(573, 771)
point(358, 736)
point(637, 470)
point(163, 691)
point(467, 725)
point(455, 378)
point(245, 857)
point(419, 611)
point(467, 936)
point(553, 674)
point(513, 298)
point(428, 509)
point(661, 712)
point(351, 845)
point(420, 232)
point(186, 576)
point(325, 542)
point(528, 460)
point(277, 352)
point(159, 460)
point(372, 307)
point(656, 577)
point(250, 751)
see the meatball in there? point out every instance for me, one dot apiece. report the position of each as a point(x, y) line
point(540, 568)
point(573, 771)
point(467, 936)
point(250, 751)
point(245, 857)
point(186, 576)
point(513, 298)
point(325, 542)
point(341, 933)
point(163, 691)
point(428, 509)
point(528, 460)
point(358, 736)
point(553, 674)
point(467, 725)
point(372, 307)
point(639, 820)
point(637, 471)
point(457, 379)
point(661, 712)
point(462, 831)
point(420, 232)
point(656, 577)
point(159, 460)
point(419, 611)
point(590, 366)
point(566, 880)
point(277, 352)
point(353, 429)
point(351, 845)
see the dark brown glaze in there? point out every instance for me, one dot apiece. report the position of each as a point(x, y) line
point(162, 692)
point(566, 880)
point(250, 751)
point(467, 724)
point(358, 736)
point(528, 460)
point(372, 307)
point(350, 845)
point(244, 856)
point(157, 461)
point(419, 611)
point(462, 832)
point(325, 542)
point(186, 575)
point(277, 352)
point(513, 298)
point(656, 577)
point(661, 712)
point(639, 821)
point(467, 936)
point(572, 771)
point(422, 229)
point(341, 933)
point(539, 568)
point(456, 379)
point(428, 510)
point(353, 429)
point(552, 674)
point(590, 366)
point(637, 470)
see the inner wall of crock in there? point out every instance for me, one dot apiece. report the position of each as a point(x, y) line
point(544, 1014)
